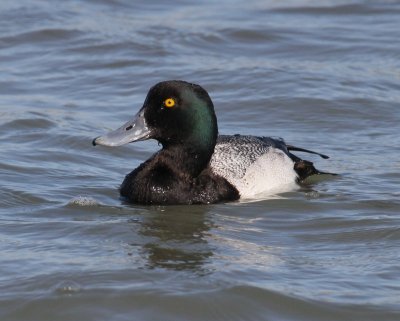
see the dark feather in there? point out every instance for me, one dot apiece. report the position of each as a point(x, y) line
point(298, 149)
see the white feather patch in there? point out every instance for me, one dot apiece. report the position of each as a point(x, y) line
point(270, 173)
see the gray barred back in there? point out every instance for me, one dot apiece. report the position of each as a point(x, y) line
point(234, 154)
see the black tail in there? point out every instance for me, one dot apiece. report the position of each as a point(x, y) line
point(298, 149)
point(305, 168)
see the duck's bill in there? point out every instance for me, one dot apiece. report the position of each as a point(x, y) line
point(132, 131)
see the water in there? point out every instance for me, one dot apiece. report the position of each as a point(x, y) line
point(322, 74)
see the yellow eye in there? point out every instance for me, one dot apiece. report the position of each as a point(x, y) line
point(169, 102)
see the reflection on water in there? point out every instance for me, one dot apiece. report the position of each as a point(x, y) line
point(177, 237)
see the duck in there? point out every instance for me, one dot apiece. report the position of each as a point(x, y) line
point(196, 165)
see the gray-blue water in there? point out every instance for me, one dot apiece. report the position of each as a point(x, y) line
point(324, 75)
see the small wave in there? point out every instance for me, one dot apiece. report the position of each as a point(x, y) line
point(40, 36)
point(83, 201)
point(28, 123)
point(67, 287)
point(341, 9)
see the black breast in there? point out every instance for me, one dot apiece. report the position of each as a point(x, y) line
point(157, 181)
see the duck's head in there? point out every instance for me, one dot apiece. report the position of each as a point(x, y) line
point(176, 113)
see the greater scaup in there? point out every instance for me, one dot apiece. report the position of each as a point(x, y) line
point(195, 165)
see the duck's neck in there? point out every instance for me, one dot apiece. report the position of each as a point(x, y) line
point(188, 159)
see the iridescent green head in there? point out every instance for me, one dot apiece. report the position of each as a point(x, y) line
point(176, 113)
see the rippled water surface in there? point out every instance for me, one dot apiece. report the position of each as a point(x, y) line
point(324, 75)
